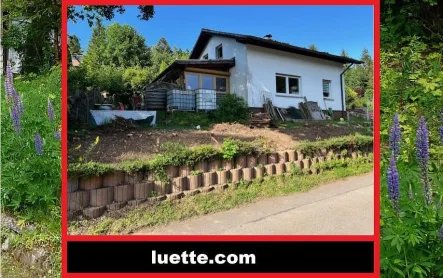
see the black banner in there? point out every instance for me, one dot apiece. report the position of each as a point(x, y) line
point(219, 257)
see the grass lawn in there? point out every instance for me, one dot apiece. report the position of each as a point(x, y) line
point(167, 211)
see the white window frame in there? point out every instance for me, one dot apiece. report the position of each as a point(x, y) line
point(330, 89)
point(220, 46)
point(288, 94)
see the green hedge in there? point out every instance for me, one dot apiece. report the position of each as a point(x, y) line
point(356, 141)
point(176, 154)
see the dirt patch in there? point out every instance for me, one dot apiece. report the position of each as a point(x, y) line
point(116, 145)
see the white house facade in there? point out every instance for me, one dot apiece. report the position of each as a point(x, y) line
point(258, 69)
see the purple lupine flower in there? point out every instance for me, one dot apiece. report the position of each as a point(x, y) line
point(18, 102)
point(422, 142)
point(395, 137)
point(9, 81)
point(58, 134)
point(411, 193)
point(393, 183)
point(38, 144)
point(50, 111)
point(16, 122)
point(441, 128)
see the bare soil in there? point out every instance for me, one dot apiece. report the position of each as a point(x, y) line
point(116, 145)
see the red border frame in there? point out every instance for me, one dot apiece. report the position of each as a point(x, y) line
point(375, 237)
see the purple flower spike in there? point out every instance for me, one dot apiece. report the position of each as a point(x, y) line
point(16, 122)
point(50, 111)
point(393, 183)
point(422, 142)
point(18, 102)
point(38, 144)
point(395, 137)
point(9, 81)
point(441, 232)
point(441, 128)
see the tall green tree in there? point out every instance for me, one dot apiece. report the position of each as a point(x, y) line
point(96, 52)
point(125, 47)
point(74, 45)
point(33, 28)
point(117, 46)
point(162, 56)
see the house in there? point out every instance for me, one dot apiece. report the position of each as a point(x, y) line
point(262, 68)
point(76, 60)
point(10, 54)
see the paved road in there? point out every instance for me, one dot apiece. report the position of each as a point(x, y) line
point(344, 207)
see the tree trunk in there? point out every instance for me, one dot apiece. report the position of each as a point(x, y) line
point(57, 46)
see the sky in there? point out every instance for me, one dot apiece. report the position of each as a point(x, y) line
point(330, 28)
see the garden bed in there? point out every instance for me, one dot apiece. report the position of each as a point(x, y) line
point(140, 144)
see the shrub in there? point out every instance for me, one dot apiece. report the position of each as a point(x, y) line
point(232, 108)
point(229, 149)
point(77, 79)
point(136, 78)
point(107, 78)
point(357, 141)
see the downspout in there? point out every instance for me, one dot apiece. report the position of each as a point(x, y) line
point(342, 92)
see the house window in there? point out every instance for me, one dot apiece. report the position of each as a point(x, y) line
point(221, 84)
point(219, 52)
point(207, 82)
point(287, 84)
point(205, 56)
point(192, 81)
point(280, 82)
point(294, 87)
point(326, 88)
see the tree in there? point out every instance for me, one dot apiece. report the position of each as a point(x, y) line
point(344, 53)
point(91, 13)
point(359, 79)
point(39, 39)
point(162, 56)
point(74, 45)
point(125, 47)
point(39, 30)
point(313, 47)
point(117, 46)
point(95, 55)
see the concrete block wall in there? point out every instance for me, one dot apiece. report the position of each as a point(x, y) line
point(93, 196)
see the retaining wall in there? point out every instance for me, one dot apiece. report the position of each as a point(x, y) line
point(92, 196)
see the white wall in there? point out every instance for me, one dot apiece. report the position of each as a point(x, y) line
point(263, 64)
point(253, 76)
point(231, 49)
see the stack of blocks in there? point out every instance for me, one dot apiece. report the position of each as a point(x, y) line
point(92, 196)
